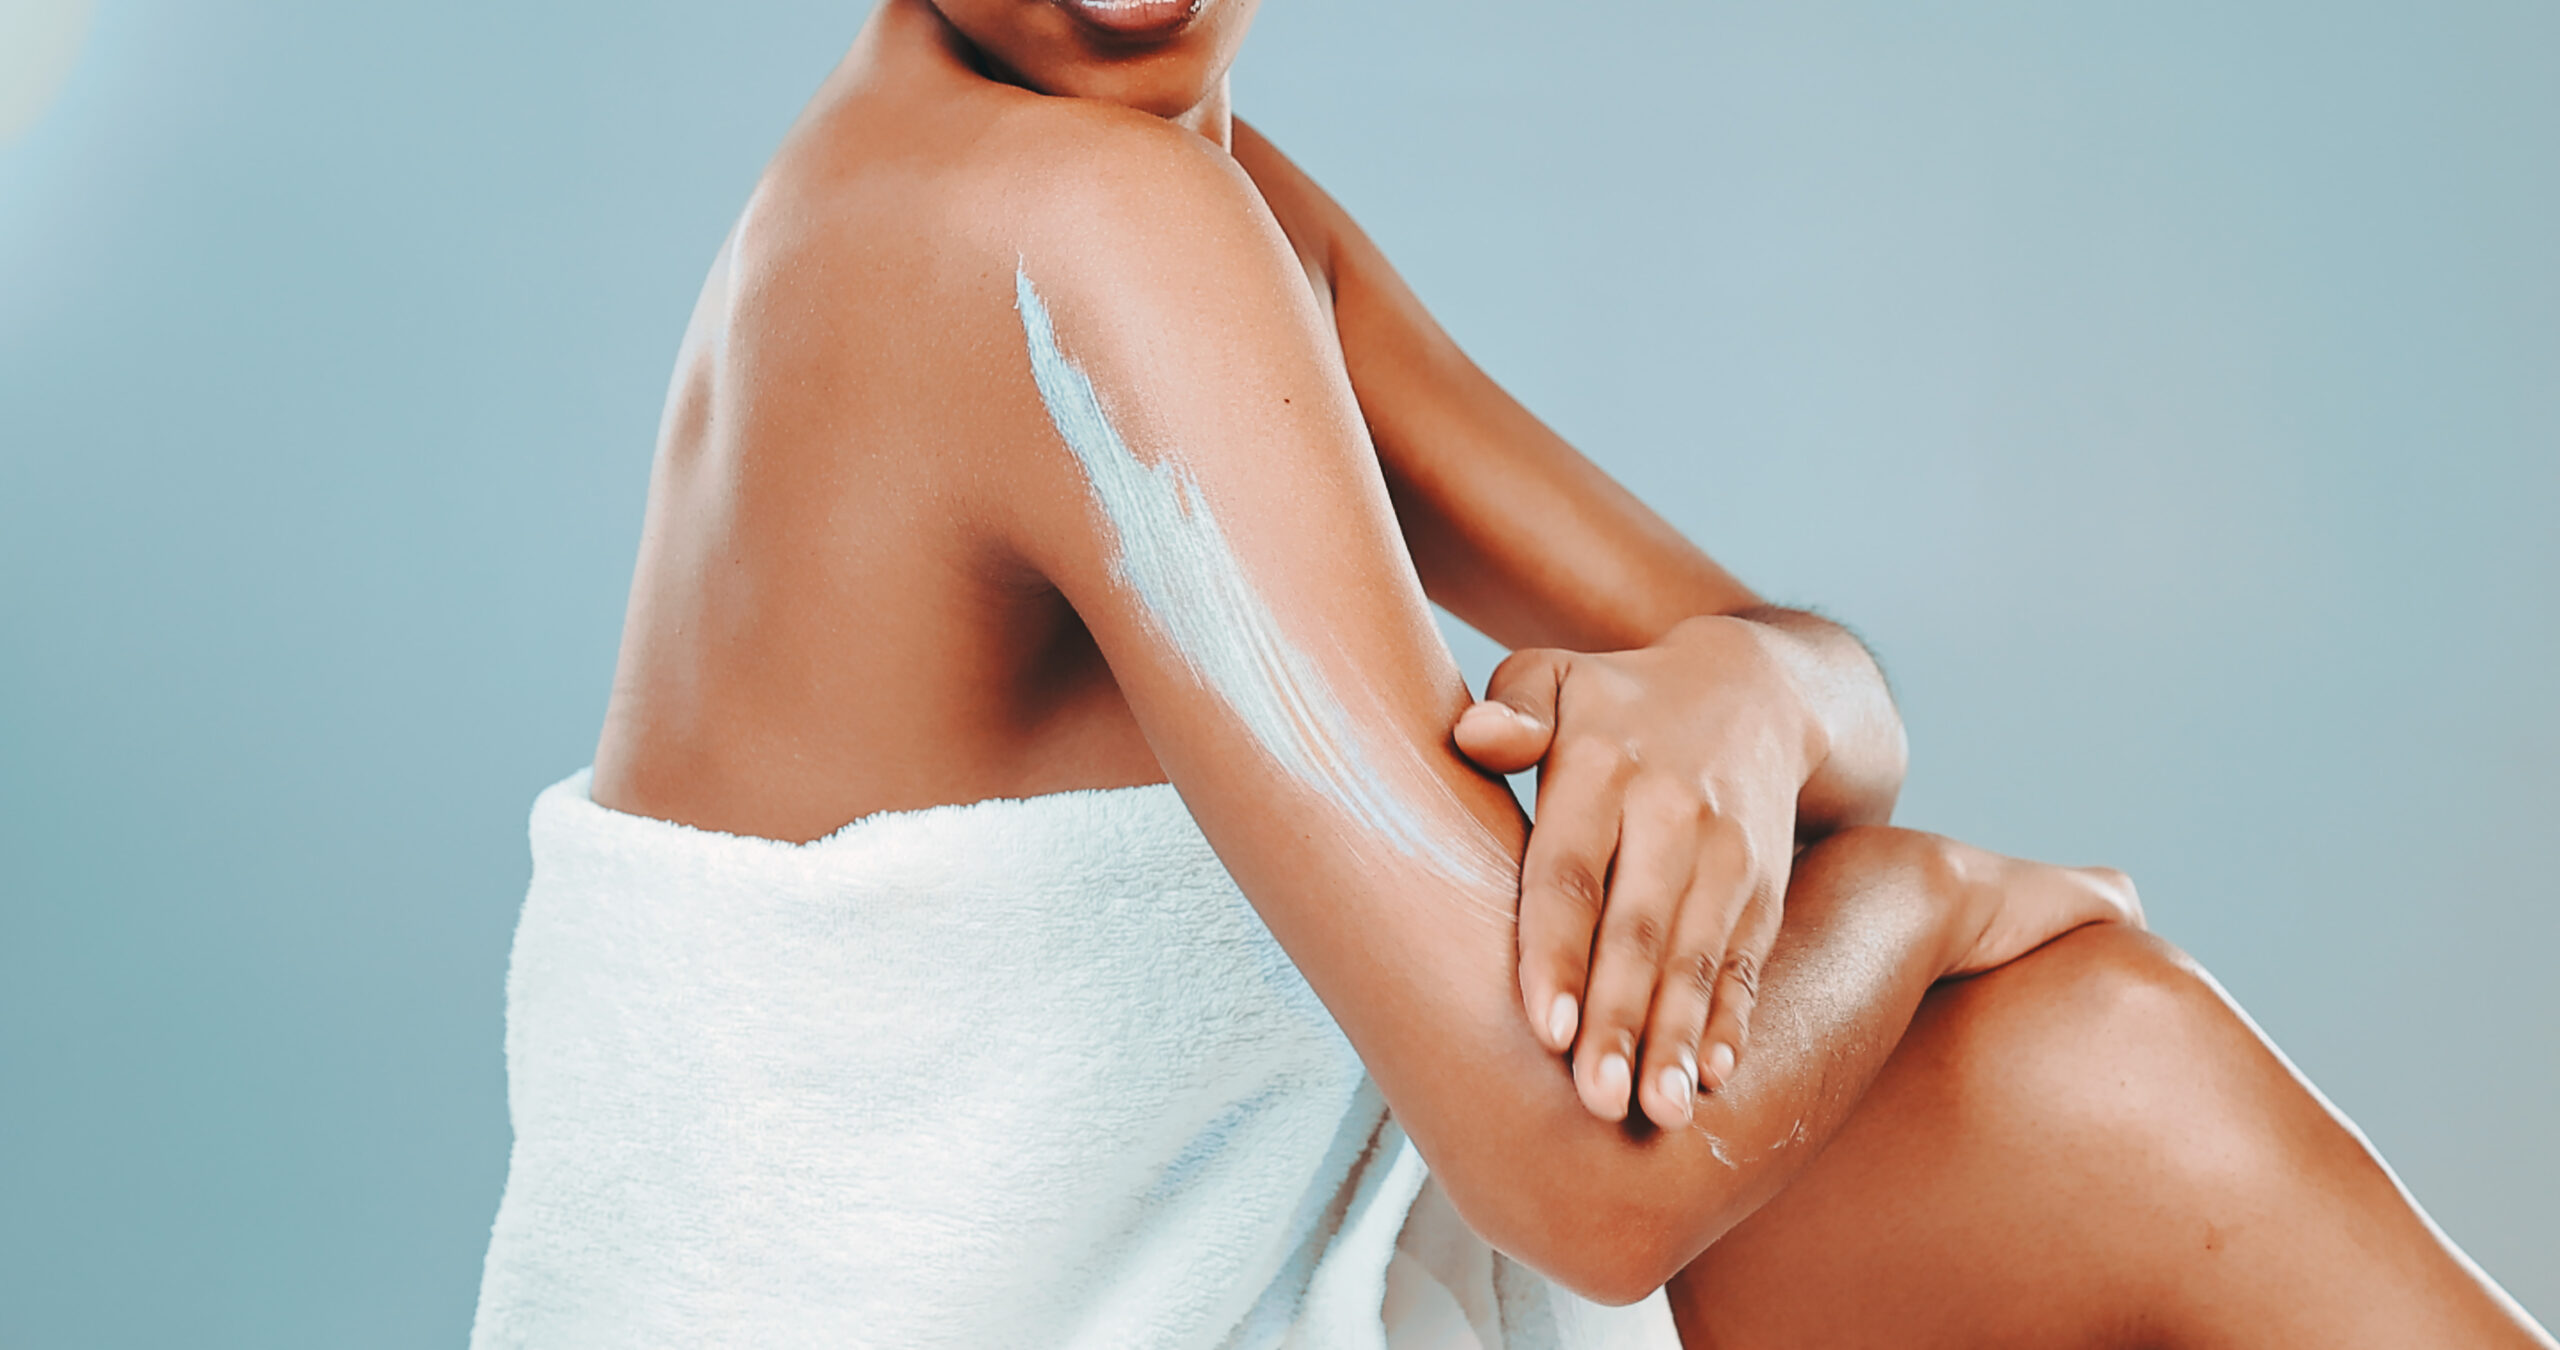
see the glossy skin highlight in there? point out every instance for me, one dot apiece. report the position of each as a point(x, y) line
point(870, 579)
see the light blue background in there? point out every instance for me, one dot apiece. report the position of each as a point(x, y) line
point(2171, 392)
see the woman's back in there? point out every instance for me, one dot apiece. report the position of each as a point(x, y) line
point(827, 618)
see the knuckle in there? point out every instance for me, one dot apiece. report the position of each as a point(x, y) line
point(1588, 752)
point(1577, 885)
point(1742, 973)
point(1696, 974)
point(1638, 937)
point(1726, 874)
point(1721, 831)
point(1661, 799)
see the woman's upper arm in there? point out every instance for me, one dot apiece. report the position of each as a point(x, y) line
point(1511, 528)
point(1194, 477)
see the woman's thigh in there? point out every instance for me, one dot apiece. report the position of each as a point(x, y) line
point(2088, 1147)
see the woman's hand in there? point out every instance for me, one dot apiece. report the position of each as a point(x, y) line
point(2011, 906)
point(1657, 868)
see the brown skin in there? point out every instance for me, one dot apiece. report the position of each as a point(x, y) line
point(2090, 1147)
point(872, 579)
point(1789, 730)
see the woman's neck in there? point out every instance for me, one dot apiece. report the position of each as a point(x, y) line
point(1212, 118)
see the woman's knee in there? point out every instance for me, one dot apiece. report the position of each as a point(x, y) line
point(2109, 1047)
point(2089, 995)
point(2020, 1147)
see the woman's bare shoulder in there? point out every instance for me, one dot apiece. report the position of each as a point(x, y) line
point(1080, 154)
point(877, 269)
point(988, 178)
point(867, 299)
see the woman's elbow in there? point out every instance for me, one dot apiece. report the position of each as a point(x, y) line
point(1608, 1248)
point(1616, 1285)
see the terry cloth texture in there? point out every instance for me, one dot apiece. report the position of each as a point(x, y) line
point(1015, 1073)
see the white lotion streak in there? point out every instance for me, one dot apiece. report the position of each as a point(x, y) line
point(1176, 559)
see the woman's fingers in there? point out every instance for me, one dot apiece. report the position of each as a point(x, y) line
point(2019, 904)
point(1667, 1088)
point(1644, 914)
point(1656, 857)
point(1737, 988)
point(1512, 726)
point(1563, 883)
point(1701, 940)
point(2116, 895)
point(1500, 737)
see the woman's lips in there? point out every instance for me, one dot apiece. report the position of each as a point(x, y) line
point(1134, 18)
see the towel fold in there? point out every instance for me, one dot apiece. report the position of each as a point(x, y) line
point(1015, 1073)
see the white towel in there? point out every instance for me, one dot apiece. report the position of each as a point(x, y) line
point(1015, 1073)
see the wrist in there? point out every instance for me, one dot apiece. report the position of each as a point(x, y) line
point(1856, 750)
point(1787, 671)
point(1961, 882)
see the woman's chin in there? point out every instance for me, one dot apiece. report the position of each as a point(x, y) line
point(1135, 20)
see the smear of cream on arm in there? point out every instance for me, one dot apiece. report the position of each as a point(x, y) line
point(1174, 557)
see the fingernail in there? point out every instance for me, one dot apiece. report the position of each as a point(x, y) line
point(1610, 1081)
point(1490, 709)
point(1719, 1064)
point(1560, 1019)
point(1675, 1090)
